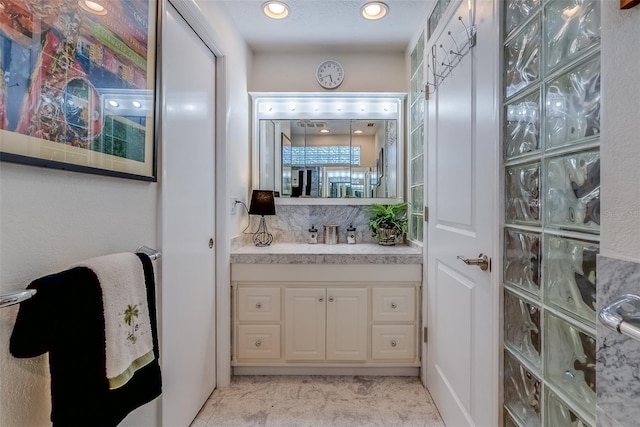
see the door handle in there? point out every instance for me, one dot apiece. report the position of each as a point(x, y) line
point(483, 261)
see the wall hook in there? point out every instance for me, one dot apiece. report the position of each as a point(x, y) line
point(447, 55)
point(456, 43)
point(471, 35)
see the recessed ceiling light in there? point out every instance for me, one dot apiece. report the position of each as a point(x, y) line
point(358, 131)
point(136, 104)
point(324, 130)
point(92, 7)
point(374, 10)
point(113, 103)
point(275, 9)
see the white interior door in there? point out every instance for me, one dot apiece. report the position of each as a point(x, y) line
point(463, 140)
point(188, 219)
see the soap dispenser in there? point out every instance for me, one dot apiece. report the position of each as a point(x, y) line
point(351, 235)
point(313, 235)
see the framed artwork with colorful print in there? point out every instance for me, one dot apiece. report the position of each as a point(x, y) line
point(77, 85)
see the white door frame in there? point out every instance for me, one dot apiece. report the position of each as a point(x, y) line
point(191, 13)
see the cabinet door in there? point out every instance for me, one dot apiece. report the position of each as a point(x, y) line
point(347, 324)
point(305, 323)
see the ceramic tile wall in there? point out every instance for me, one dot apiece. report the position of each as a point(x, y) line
point(618, 388)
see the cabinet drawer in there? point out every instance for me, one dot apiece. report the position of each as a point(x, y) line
point(259, 342)
point(394, 304)
point(393, 342)
point(259, 304)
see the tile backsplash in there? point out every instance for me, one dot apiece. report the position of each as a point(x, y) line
point(291, 223)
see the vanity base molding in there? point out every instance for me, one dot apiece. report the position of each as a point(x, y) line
point(300, 370)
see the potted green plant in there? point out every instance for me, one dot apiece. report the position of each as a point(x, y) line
point(387, 222)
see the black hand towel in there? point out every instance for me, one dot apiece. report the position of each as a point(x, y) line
point(66, 318)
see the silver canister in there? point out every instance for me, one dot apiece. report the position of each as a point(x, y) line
point(330, 234)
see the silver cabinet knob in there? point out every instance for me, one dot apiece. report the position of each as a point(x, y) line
point(258, 343)
point(330, 299)
point(259, 305)
point(320, 299)
point(393, 343)
point(394, 305)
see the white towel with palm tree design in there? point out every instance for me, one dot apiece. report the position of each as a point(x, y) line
point(129, 343)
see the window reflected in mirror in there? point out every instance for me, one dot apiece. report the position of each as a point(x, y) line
point(329, 158)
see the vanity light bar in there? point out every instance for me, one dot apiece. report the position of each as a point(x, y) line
point(389, 108)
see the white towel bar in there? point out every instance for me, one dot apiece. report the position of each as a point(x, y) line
point(17, 297)
point(623, 316)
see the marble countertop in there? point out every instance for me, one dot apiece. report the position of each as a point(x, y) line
point(304, 253)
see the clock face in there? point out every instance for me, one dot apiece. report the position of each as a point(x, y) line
point(330, 74)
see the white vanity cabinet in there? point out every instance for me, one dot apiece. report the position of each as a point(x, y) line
point(325, 324)
point(318, 316)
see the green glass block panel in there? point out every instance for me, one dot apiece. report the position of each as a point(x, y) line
point(559, 414)
point(522, 331)
point(417, 170)
point(571, 27)
point(417, 113)
point(570, 361)
point(522, 126)
point(522, 392)
point(523, 194)
point(572, 196)
point(417, 141)
point(417, 199)
point(417, 84)
point(416, 227)
point(522, 59)
point(573, 105)
point(522, 260)
point(436, 15)
point(570, 276)
point(417, 53)
point(517, 12)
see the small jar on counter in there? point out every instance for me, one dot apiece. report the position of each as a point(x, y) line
point(351, 235)
point(313, 235)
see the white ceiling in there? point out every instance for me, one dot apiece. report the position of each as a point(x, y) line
point(322, 25)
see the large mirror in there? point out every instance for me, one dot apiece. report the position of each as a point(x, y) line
point(329, 158)
point(346, 153)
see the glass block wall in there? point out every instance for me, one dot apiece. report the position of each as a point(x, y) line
point(551, 141)
point(416, 145)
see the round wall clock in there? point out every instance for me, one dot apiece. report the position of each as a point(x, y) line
point(330, 74)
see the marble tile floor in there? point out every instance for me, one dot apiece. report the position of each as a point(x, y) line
point(305, 401)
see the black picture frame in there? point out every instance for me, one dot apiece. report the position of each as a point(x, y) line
point(86, 101)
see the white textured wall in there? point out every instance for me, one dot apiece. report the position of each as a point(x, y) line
point(237, 62)
point(620, 146)
point(50, 219)
point(295, 72)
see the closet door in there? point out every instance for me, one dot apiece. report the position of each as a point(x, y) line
point(188, 219)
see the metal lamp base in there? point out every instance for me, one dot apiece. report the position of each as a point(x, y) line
point(262, 237)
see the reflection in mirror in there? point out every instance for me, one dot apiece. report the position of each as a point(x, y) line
point(329, 158)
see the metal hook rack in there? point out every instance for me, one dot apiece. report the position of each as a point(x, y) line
point(441, 69)
point(12, 298)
